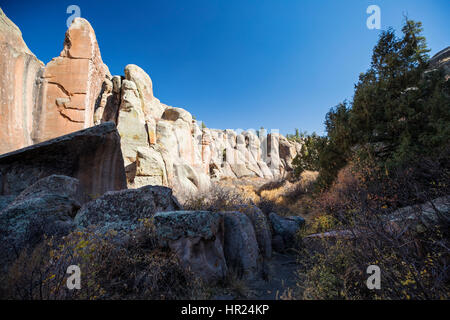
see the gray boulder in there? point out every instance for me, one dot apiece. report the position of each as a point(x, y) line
point(284, 230)
point(240, 245)
point(5, 201)
point(45, 209)
point(124, 210)
point(261, 227)
point(197, 238)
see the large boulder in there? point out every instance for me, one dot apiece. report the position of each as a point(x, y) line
point(261, 226)
point(197, 238)
point(5, 201)
point(92, 156)
point(124, 210)
point(285, 230)
point(45, 209)
point(240, 245)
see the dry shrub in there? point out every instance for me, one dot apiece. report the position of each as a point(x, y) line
point(288, 198)
point(341, 194)
point(217, 198)
point(271, 185)
point(412, 251)
point(127, 268)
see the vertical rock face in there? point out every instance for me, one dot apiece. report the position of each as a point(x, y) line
point(19, 92)
point(93, 156)
point(72, 83)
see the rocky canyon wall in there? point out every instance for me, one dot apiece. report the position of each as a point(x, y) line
point(161, 145)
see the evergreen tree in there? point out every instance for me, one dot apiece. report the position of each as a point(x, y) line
point(399, 111)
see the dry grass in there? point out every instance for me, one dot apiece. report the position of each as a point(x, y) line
point(133, 268)
point(279, 195)
point(290, 198)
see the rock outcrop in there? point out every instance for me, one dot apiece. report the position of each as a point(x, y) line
point(71, 84)
point(164, 145)
point(241, 247)
point(261, 227)
point(20, 93)
point(124, 210)
point(197, 238)
point(46, 208)
point(284, 230)
point(38, 102)
point(161, 145)
point(93, 156)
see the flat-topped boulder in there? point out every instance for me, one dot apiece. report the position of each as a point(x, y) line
point(93, 156)
point(124, 210)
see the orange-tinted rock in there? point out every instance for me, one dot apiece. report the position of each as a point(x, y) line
point(72, 83)
point(19, 90)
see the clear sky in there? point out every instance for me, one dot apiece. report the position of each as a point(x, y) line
point(236, 64)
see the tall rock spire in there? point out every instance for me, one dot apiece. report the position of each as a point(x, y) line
point(38, 102)
point(71, 84)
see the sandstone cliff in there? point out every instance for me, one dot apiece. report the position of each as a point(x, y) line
point(164, 145)
point(19, 91)
point(161, 145)
point(40, 102)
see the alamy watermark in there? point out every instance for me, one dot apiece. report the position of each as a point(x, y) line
point(74, 280)
point(374, 20)
point(374, 281)
point(75, 12)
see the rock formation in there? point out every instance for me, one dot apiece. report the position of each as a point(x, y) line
point(45, 208)
point(197, 238)
point(241, 248)
point(161, 145)
point(40, 102)
point(19, 94)
point(124, 210)
point(92, 155)
point(71, 84)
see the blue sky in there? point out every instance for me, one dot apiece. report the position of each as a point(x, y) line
point(279, 64)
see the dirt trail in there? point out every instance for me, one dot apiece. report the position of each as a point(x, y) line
point(282, 276)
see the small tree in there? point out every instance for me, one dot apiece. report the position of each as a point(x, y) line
point(308, 158)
